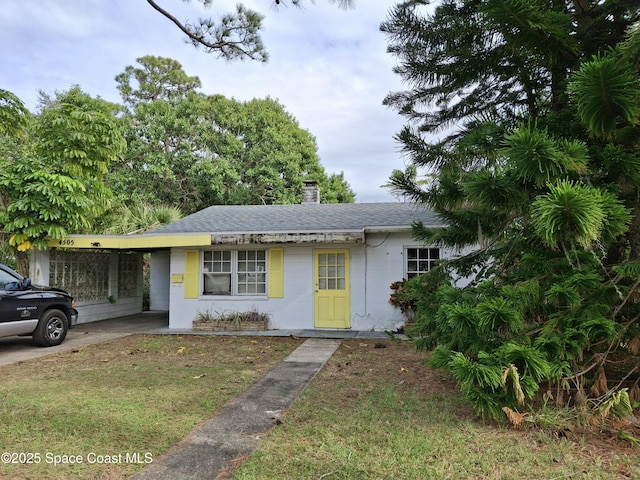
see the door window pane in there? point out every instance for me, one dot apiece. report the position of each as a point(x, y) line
point(332, 271)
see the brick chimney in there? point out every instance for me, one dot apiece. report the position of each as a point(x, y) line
point(310, 192)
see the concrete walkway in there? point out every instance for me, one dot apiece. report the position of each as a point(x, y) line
point(217, 446)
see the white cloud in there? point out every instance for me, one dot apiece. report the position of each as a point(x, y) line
point(327, 66)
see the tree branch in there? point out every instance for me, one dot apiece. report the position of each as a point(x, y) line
point(168, 15)
point(248, 44)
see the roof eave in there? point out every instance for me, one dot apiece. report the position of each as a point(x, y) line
point(326, 237)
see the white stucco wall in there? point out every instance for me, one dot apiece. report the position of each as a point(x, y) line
point(382, 264)
point(103, 310)
point(373, 267)
point(294, 310)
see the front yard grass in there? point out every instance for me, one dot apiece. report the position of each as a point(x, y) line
point(374, 412)
point(379, 413)
point(121, 403)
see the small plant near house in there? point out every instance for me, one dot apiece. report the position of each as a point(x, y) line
point(400, 300)
point(419, 291)
point(212, 320)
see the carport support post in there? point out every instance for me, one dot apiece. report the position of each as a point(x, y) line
point(39, 267)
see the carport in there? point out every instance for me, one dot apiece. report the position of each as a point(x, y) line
point(111, 276)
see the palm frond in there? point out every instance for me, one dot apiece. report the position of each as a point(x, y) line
point(525, 294)
point(616, 406)
point(440, 357)
point(629, 269)
point(510, 375)
point(600, 329)
point(488, 405)
point(618, 163)
point(537, 157)
point(559, 369)
point(495, 190)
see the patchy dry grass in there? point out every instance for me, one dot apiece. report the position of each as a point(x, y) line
point(115, 404)
point(379, 413)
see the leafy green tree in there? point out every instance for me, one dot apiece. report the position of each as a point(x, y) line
point(51, 171)
point(156, 78)
point(13, 113)
point(538, 170)
point(14, 116)
point(192, 150)
point(268, 153)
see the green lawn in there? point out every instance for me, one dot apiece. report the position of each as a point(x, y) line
point(115, 405)
point(371, 413)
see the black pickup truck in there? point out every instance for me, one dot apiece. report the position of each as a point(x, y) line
point(45, 313)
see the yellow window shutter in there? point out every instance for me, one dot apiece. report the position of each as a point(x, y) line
point(276, 273)
point(191, 273)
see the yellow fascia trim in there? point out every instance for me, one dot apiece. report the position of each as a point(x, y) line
point(131, 242)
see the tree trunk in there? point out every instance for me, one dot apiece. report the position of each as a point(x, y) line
point(22, 263)
point(634, 233)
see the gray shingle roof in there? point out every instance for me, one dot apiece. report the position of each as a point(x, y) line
point(336, 217)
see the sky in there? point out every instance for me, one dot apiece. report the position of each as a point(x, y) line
point(328, 67)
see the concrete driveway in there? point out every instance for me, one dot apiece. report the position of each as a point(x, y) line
point(18, 349)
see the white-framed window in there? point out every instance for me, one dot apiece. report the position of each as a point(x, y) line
point(420, 260)
point(234, 272)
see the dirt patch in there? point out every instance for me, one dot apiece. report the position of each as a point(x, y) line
point(375, 362)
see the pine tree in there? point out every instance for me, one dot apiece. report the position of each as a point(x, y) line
point(538, 105)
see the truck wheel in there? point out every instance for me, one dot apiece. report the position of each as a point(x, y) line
point(52, 328)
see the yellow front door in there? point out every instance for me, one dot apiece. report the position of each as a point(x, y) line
point(332, 302)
